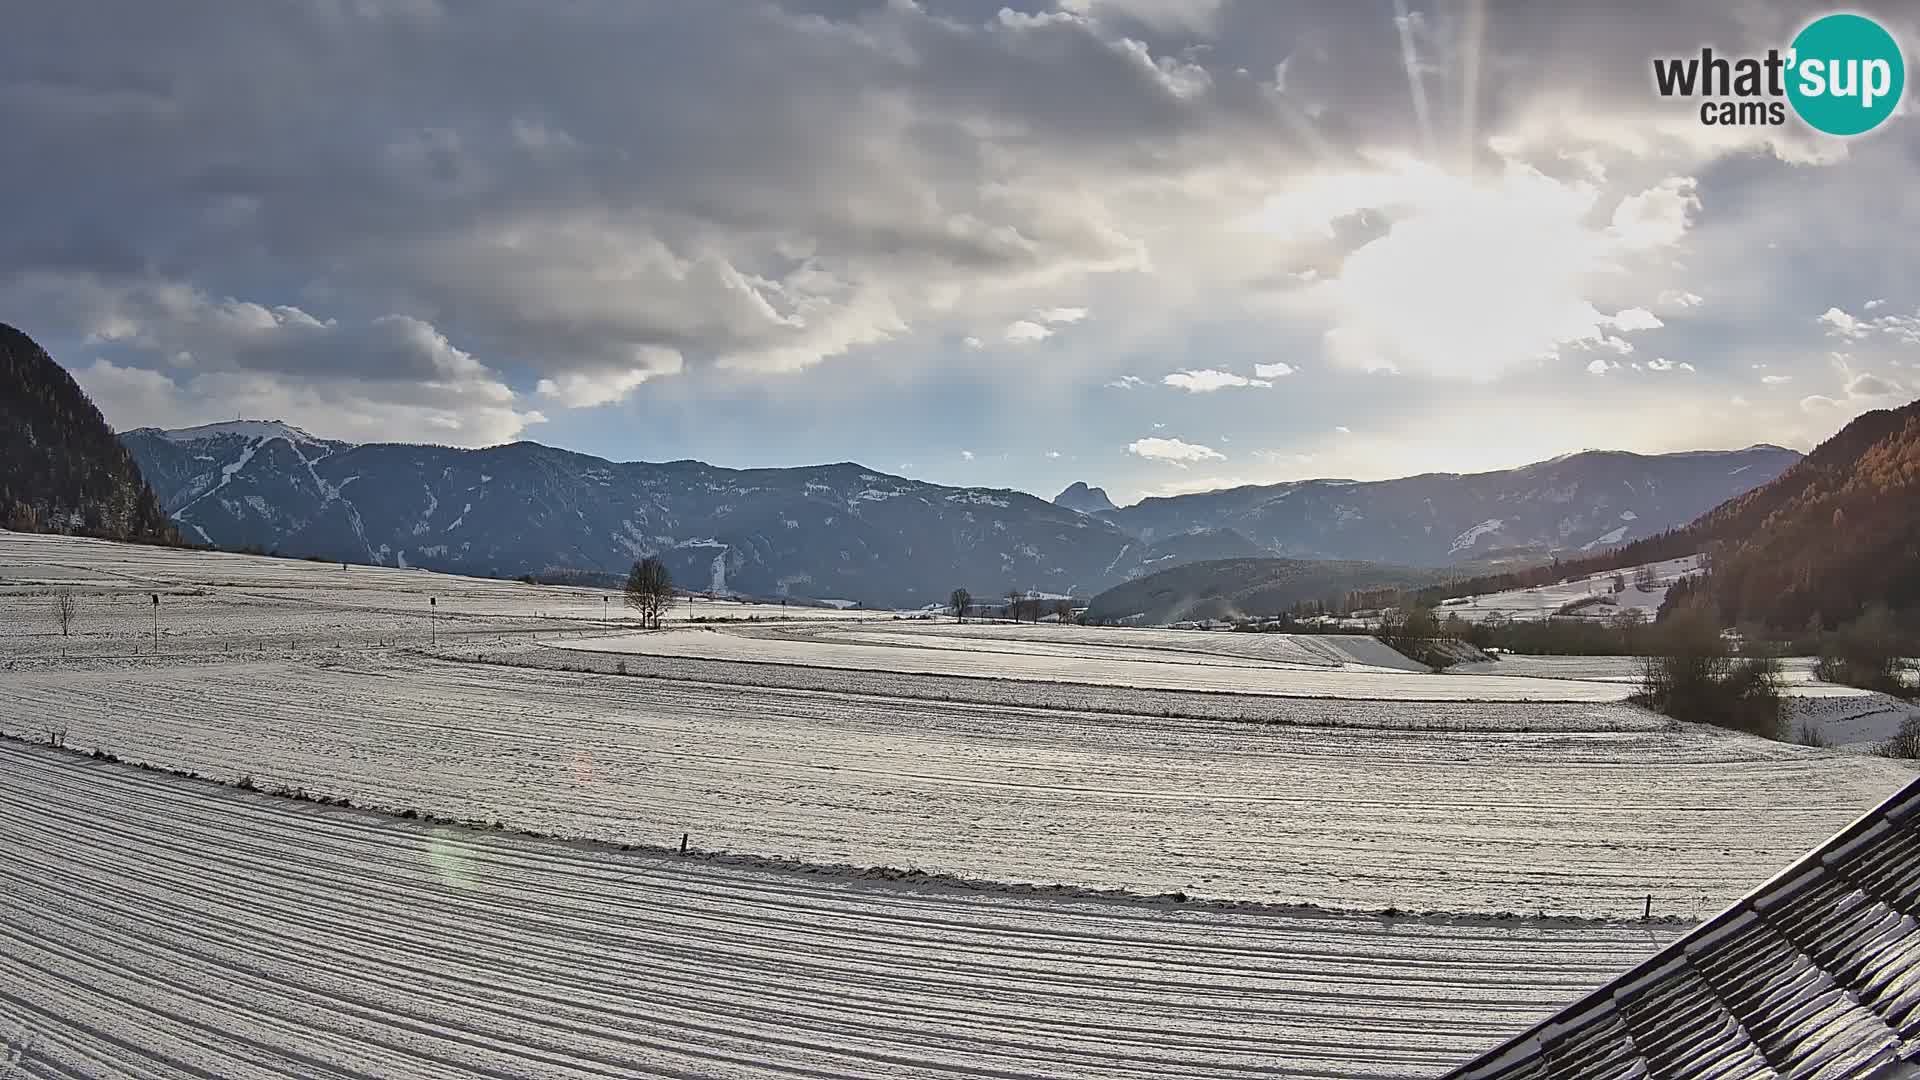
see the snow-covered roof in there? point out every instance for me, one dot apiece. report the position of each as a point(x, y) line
point(1815, 973)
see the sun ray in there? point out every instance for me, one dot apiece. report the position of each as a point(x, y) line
point(1473, 30)
point(1410, 56)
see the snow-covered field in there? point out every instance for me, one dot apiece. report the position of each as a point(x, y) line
point(1796, 672)
point(1350, 652)
point(1573, 817)
point(216, 602)
point(1089, 655)
point(158, 927)
point(1544, 601)
point(1862, 721)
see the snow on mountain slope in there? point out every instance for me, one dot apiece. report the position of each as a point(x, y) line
point(1547, 600)
point(848, 532)
point(1586, 500)
point(832, 530)
point(243, 429)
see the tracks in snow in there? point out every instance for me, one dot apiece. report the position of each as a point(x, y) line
point(158, 927)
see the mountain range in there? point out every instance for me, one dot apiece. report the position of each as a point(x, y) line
point(1578, 502)
point(846, 532)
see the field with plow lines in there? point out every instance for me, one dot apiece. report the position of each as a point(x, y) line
point(160, 927)
point(914, 848)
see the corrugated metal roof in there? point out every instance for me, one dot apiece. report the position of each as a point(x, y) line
point(1815, 974)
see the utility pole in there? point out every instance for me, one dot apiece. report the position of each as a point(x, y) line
point(156, 623)
point(433, 630)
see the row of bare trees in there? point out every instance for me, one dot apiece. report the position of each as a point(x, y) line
point(1019, 606)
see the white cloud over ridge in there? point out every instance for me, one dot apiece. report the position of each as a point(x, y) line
point(1173, 451)
point(1207, 380)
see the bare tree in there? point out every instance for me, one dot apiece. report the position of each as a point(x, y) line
point(1063, 610)
point(1645, 579)
point(650, 591)
point(1014, 597)
point(958, 603)
point(64, 609)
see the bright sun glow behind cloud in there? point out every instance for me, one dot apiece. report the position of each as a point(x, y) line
point(1473, 277)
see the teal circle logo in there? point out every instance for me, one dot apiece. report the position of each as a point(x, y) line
point(1846, 74)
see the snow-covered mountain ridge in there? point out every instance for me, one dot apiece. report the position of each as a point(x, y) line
point(843, 530)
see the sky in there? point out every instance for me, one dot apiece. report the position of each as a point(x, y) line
point(1156, 245)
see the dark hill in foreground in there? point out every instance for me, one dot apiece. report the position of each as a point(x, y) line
point(61, 467)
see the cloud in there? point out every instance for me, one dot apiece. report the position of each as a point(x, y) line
point(1658, 217)
point(1635, 319)
point(1663, 364)
point(1599, 367)
point(1471, 279)
point(966, 455)
point(586, 389)
point(1189, 484)
point(1343, 429)
point(1776, 380)
point(1902, 329)
point(1842, 325)
point(1859, 392)
point(343, 409)
point(555, 233)
point(1868, 385)
point(1274, 371)
point(1053, 455)
point(1170, 15)
point(224, 357)
point(1041, 326)
point(1207, 380)
point(1173, 451)
point(1026, 332)
point(420, 220)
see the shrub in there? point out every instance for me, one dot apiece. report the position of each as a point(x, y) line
point(1412, 632)
point(1905, 743)
point(1689, 676)
point(1865, 653)
point(1808, 735)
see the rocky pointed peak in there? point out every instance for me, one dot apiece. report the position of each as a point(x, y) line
point(1087, 500)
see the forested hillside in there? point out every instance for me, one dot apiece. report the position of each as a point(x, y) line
point(1836, 534)
point(61, 467)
